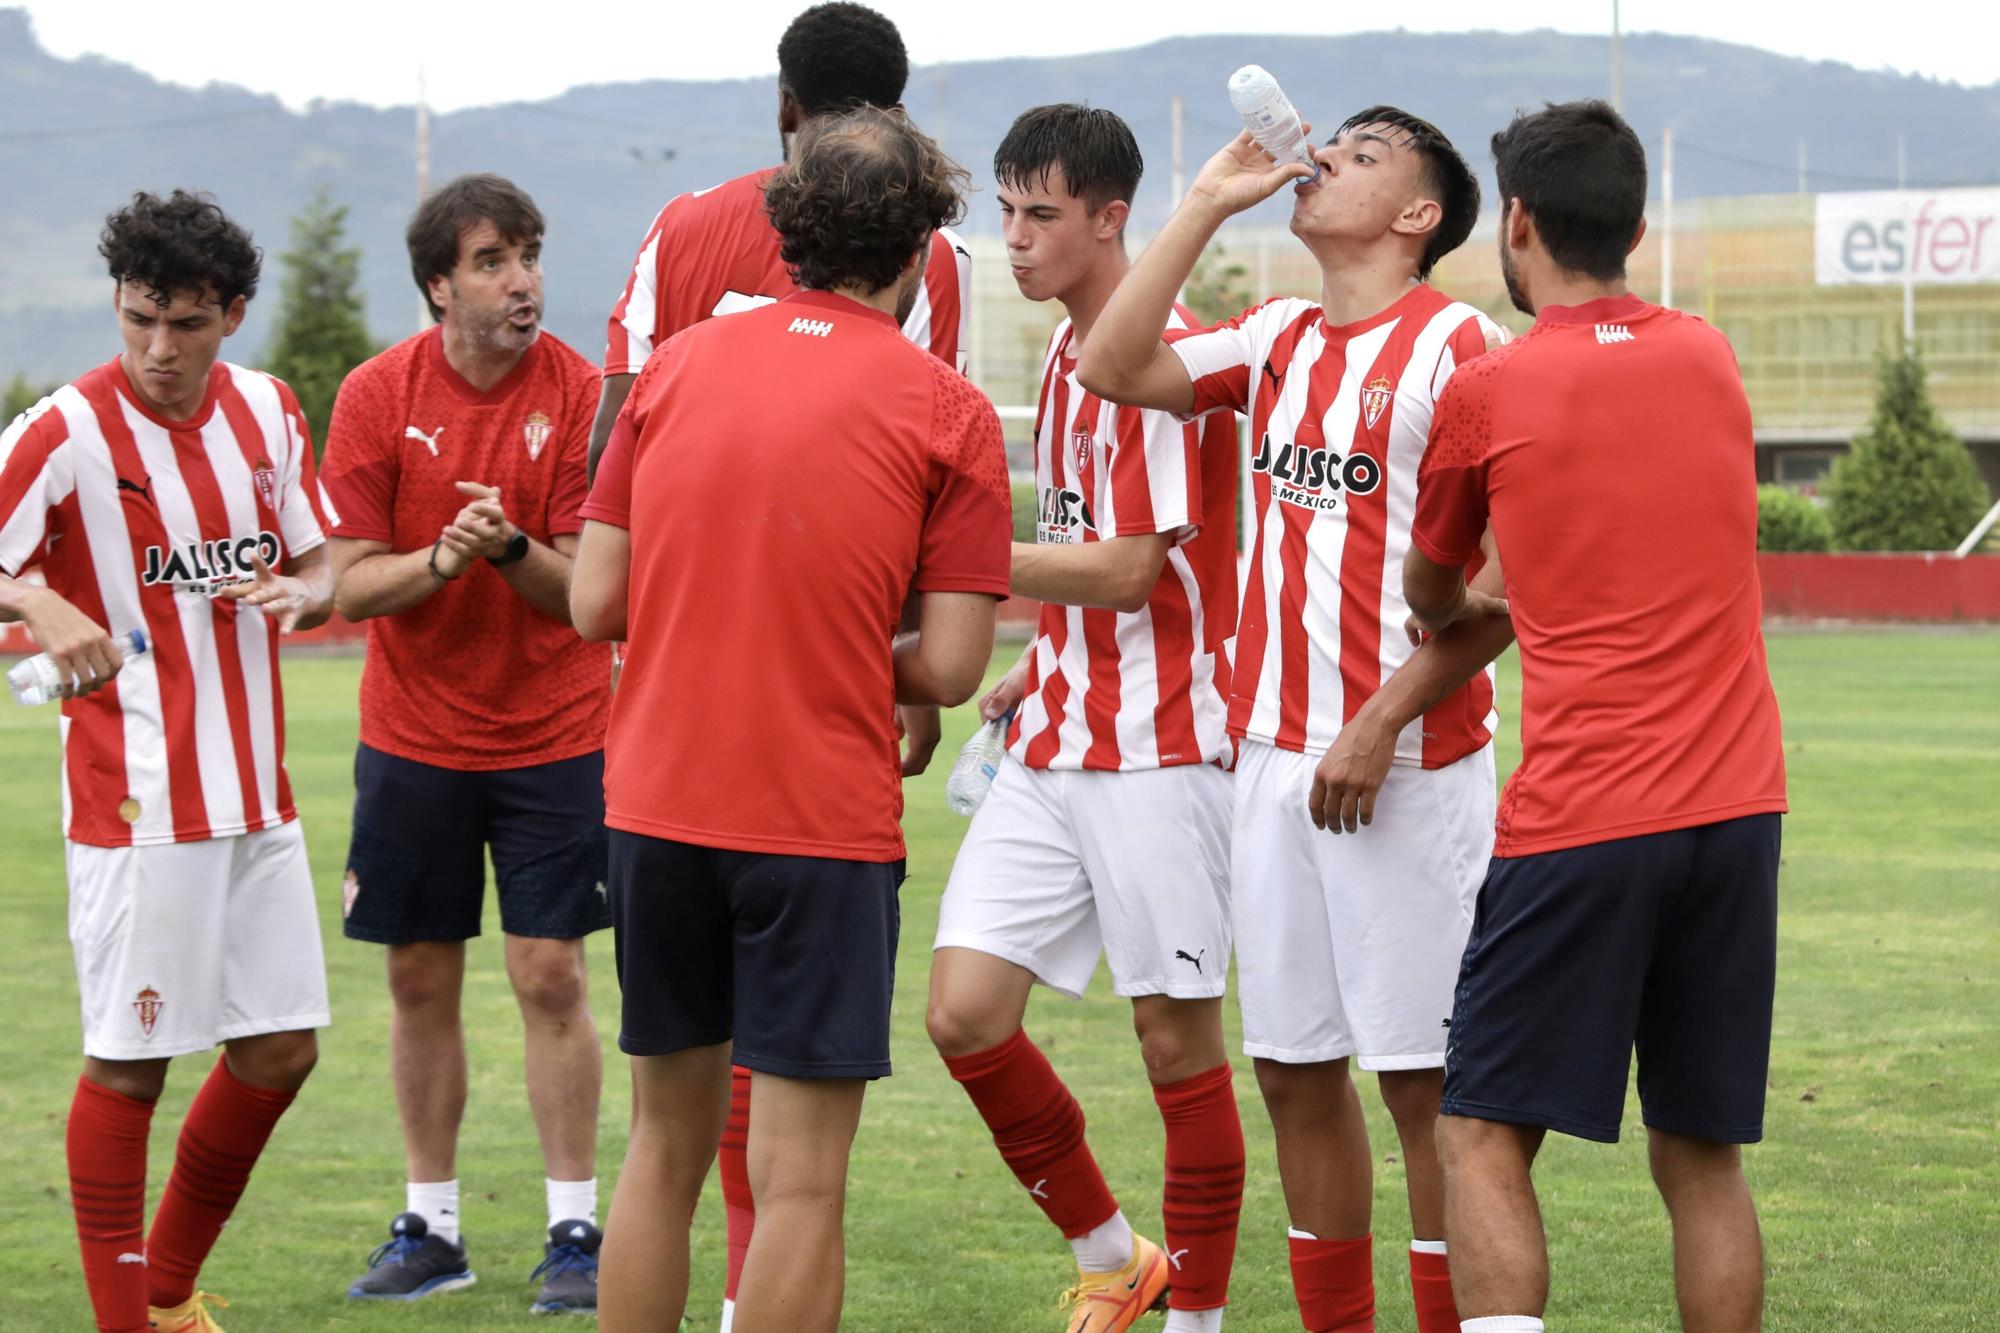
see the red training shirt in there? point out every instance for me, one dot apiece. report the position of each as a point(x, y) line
point(474, 677)
point(775, 538)
point(1611, 447)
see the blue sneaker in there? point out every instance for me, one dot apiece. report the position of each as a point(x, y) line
point(569, 1270)
point(412, 1264)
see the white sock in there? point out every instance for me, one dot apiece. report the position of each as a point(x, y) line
point(1107, 1247)
point(728, 1316)
point(1501, 1323)
point(1427, 1247)
point(436, 1201)
point(571, 1200)
point(1194, 1321)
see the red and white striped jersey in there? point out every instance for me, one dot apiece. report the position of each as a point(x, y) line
point(1340, 418)
point(137, 521)
point(1141, 689)
point(714, 252)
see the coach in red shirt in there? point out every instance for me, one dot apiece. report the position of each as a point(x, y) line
point(1632, 896)
point(455, 466)
point(754, 548)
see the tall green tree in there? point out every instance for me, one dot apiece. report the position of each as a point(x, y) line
point(321, 332)
point(1908, 483)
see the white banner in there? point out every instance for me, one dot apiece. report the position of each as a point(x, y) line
point(1875, 237)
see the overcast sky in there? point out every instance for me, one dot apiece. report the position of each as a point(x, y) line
point(508, 50)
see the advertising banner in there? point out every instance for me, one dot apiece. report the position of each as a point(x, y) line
point(1927, 236)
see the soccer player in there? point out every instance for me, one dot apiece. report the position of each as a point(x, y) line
point(455, 462)
point(755, 890)
point(162, 492)
point(1632, 897)
point(1107, 829)
point(1347, 948)
point(711, 252)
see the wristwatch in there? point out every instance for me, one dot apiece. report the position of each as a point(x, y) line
point(517, 549)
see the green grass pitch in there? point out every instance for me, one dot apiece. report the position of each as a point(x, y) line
point(1879, 1181)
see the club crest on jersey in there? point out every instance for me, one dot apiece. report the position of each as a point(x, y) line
point(536, 433)
point(266, 478)
point(1308, 477)
point(1375, 396)
point(1063, 515)
point(204, 568)
point(1081, 439)
point(147, 1005)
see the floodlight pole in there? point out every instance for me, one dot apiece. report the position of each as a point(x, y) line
point(423, 148)
point(1667, 220)
point(1910, 255)
point(1617, 64)
point(1180, 172)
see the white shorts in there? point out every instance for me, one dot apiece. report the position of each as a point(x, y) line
point(182, 946)
point(1060, 865)
point(1349, 943)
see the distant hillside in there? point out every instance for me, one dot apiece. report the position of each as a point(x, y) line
point(78, 136)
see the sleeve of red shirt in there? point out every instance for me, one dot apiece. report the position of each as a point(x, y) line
point(572, 479)
point(301, 519)
point(611, 494)
point(1156, 475)
point(968, 532)
point(1451, 481)
point(363, 460)
point(32, 482)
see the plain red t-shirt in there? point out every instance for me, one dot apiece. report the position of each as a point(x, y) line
point(1611, 447)
point(474, 677)
point(788, 475)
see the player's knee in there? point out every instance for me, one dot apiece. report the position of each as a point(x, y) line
point(552, 987)
point(421, 979)
point(1309, 1092)
point(957, 1029)
point(1169, 1054)
point(282, 1060)
point(1412, 1095)
point(1680, 1161)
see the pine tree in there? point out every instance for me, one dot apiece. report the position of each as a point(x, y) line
point(1908, 483)
point(321, 332)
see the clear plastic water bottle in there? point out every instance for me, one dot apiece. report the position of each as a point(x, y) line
point(1272, 120)
point(978, 764)
point(38, 680)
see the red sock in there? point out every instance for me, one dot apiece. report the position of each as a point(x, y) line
point(1204, 1186)
point(1430, 1285)
point(1038, 1128)
point(224, 1133)
point(106, 1144)
point(734, 1159)
point(1334, 1281)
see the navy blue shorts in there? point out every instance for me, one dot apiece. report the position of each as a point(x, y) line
point(1666, 943)
point(416, 867)
point(791, 957)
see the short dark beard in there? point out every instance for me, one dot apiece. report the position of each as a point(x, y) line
point(1513, 279)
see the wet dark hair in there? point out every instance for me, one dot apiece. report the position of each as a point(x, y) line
point(1580, 172)
point(836, 54)
point(865, 187)
point(1445, 172)
point(182, 243)
point(1098, 156)
point(452, 209)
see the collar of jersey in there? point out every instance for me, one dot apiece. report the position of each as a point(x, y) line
point(1396, 309)
point(1604, 310)
point(836, 302)
point(463, 387)
point(216, 374)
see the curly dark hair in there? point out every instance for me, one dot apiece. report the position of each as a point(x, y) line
point(835, 54)
point(183, 243)
point(864, 191)
point(1445, 172)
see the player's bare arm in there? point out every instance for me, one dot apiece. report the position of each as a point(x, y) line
point(921, 726)
point(610, 399)
point(1353, 770)
point(944, 661)
point(82, 648)
point(371, 580)
point(299, 598)
point(1123, 359)
point(1011, 688)
point(598, 581)
point(1117, 574)
point(1439, 595)
point(482, 531)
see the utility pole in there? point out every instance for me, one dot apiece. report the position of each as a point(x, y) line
point(424, 320)
point(1180, 174)
point(1667, 229)
point(1617, 63)
point(1910, 252)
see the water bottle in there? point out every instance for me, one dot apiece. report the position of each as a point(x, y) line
point(38, 680)
point(978, 764)
point(1270, 116)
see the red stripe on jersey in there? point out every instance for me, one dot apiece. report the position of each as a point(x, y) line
point(199, 475)
point(1464, 711)
point(1364, 551)
point(1173, 715)
point(308, 474)
point(618, 343)
point(1054, 619)
point(1100, 702)
point(1295, 644)
point(941, 287)
point(1131, 495)
point(96, 724)
point(174, 667)
point(23, 473)
point(1253, 628)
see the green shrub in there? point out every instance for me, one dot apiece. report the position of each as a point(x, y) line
point(1789, 521)
point(1024, 511)
point(1908, 484)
